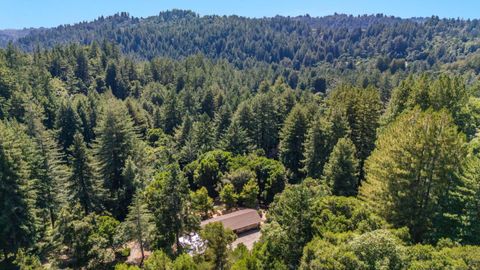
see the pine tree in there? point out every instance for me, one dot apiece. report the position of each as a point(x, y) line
point(292, 138)
point(166, 197)
point(339, 125)
point(243, 116)
point(50, 101)
point(203, 135)
point(87, 114)
point(412, 175)
point(7, 85)
point(82, 185)
point(170, 113)
point(362, 108)
point(139, 224)
point(341, 170)
point(289, 225)
point(219, 240)
point(442, 92)
point(471, 201)
point(182, 133)
point(66, 124)
point(236, 140)
point(207, 106)
point(157, 120)
point(17, 219)
point(81, 69)
point(111, 79)
point(115, 144)
point(48, 169)
point(222, 122)
point(318, 144)
point(398, 101)
point(188, 153)
point(266, 123)
point(138, 115)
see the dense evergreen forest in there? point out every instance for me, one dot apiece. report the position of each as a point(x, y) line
point(345, 41)
point(356, 136)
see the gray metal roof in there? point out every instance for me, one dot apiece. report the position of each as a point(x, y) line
point(236, 220)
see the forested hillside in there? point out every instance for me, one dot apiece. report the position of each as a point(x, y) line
point(292, 41)
point(356, 136)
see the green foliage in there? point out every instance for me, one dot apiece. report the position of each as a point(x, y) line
point(107, 228)
point(184, 262)
point(444, 92)
point(170, 116)
point(123, 266)
point(102, 127)
point(28, 262)
point(115, 144)
point(202, 135)
point(158, 260)
point(378, 250)
point(318, 145)
point(266, 123)
point(218, 241)
point(138, 115)
point(292, 137)
point(228, 196)
point(428, 257)
point(362, 108)
point(47, 168)
point(82, 185)
point(7, 86)
point(471, 198)
point(88, 239)
point(239, 177)
point(208, 169)
point(201, 202)
point(67, 125)
point(321, 254)
point(236, 140)
point(289, 223)
point(88, 114)
point(270, 174)
point(249, 194)
point(222, 121)
point(412, 176)
point(381, 249)
point(341, 170)
point(214, 169)
point(166, 197)
point(280, 40)
point(17, 218)
point(344, 214)
point(242, 258)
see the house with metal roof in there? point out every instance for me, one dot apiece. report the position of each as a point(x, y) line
point(245, 223)
point(239, 221)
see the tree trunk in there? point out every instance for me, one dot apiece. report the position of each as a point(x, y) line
point(52, 217)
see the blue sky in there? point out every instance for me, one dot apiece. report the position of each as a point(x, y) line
point(47, 13)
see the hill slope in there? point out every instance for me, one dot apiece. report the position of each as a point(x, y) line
point(293, 41)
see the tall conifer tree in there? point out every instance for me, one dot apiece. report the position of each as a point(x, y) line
point(292, 138)
point(412, 176)
point(83, 186)
point(17, 218)
point(115, 144)
point(341, 170)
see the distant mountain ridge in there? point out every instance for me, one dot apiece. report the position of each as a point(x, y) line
point(8, 35)
point(295, 41)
